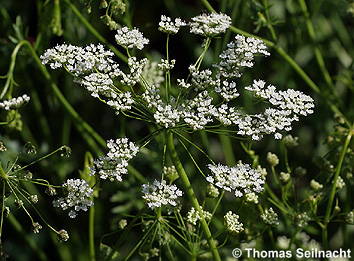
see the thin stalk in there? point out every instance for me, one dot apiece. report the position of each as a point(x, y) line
point(92, 233)
point(2, 209)
point(191, 195)
point(269, 24)
point(29, 240)
point(95, 32)
point(318, 54)
point(168, 78)
point(9, 75)
point(333, 188)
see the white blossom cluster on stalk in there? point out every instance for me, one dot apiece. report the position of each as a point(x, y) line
point(210, 25)
point(197, 103)
point(232, 223)
point(168, 26)
point(114, 164)
point(160, 194)
point(270, 217)
point(131, 38)
point(193, 215)
point(241, 179)
point(93, 67)
point(14, 103)
point(79, 197)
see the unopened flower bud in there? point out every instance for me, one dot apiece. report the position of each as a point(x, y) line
point(272, 159)
point(51, 191)
point(300, 171)
point(36, 227)
point(34, 198)
point(315, 185)
point(212, 191)
point(122, 223)
point(63, 235)
point(285, 177)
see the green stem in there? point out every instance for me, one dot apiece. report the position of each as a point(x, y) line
point(269, 24)
point(3, 175)
point(95, 32)
point(92, 233)
point(333, 188)
point(9, 75)
point(312, 34)
point(191, 195)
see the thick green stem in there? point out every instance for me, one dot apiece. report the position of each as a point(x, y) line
point(332, 194)
point(95, 32)
point(191, 195)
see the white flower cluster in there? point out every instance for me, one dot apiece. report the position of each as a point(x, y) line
point(94, 68)
point(240, 179)
point(166, 65)
point(80, 60)
point(232, 223)
point(240, 53)
point(270, 217)
point(152, 74)
point(14, 103)
point(160, 194)
point(210, 25)
point(131, 38)
point(168, 26)
point(114, 165)
point(79, 197)
point(193, 216)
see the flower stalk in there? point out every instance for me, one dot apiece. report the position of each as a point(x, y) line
point(191, 195)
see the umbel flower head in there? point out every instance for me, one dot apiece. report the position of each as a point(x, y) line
point(240, 179)
point(195, 101)
point(79, 197)
point(160, 194)
point(131, 38)
point(114, 165)
point(210, 25)
point(14, 103)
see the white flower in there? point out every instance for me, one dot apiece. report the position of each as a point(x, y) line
point(80, 60)
point(14, 103)
point(283, 242)
point(166, 65)
point(270, 217)
point(160, 194)
point(210, 25)
point(240, 53)
point(241, 179)
point(315, 185)
point(340, 183)
point(232, 223)
point(227, 90)
point(290, 100)
point(121, 148)
point(78, 197)
point(166, 25)
point(193, 216)
point(131, 38)
point(114, 165)
point(183, 84)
